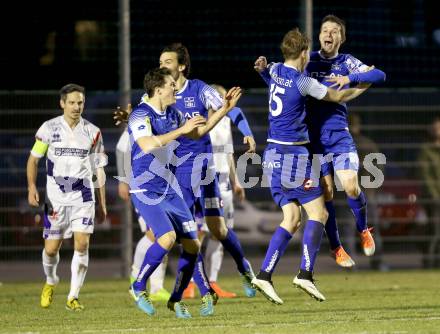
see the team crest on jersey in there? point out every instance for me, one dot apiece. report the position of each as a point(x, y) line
point(190, 102)
point(336, 67)
point(56, 138)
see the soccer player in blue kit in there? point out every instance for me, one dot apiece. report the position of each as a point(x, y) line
point(153, 126)
point(196, 174)
point(329, 133)
point(286, 157)
point(194, 97)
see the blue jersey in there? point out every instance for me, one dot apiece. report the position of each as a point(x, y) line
point(287, 97)
point(324, 115)
point(152, 171)
point(195, 98)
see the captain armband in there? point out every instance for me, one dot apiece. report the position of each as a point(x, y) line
point(39, 149)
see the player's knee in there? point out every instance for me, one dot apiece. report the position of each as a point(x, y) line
point(218, 229)
point(51, 251)
point(82, 246)
point(320, 215)
point(192, 247)
point(291, 225)
point(351, 187)
point(167, 240)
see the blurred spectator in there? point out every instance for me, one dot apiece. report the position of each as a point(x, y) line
point(429, 159)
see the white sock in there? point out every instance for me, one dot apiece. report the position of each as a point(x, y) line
point(80, 263)
point(139, 254)
point(158, 276)
point(50, 264)
point(214, 258)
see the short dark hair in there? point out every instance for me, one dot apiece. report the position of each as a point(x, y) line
point(155, 78)
point(70, 88)
point(182, 55)
point(294, 42)
point(338, 21)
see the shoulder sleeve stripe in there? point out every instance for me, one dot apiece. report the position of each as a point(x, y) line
point(96, 138)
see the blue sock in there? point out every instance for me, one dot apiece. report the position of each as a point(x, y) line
point(311, 242)
point(152, 259)
point(277, 246)
point(331, 229)
point(185, 269)
point(200, 277)
point(359, 208)
point(232, 245)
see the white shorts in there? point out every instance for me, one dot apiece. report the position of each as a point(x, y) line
point(228, 210)
point(61, 221)
point(142, 224)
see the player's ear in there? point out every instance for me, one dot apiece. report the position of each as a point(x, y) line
point(304, 54)
point(157, 91)
point(182, 68)
point(62, 104)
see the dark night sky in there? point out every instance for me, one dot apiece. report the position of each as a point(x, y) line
point(223, 42)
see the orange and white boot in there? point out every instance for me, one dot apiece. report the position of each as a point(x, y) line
point(342, 258)
point(367, 242)
point(190, 291)
point(220, 292)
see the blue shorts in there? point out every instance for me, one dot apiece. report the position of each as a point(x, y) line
point(170, 214)
point(337, 148)
point(289, 172)
point(205, 200)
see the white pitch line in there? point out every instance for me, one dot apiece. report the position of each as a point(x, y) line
point(249, 325)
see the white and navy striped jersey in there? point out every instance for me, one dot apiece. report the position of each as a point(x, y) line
point(71, 158)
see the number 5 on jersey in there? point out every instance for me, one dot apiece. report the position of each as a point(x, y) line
point(274, 90)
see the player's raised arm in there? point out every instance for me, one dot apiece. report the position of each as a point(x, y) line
point(310, 86)
point(362, 74)
point(229, 102)
point(148, 142)
point(261, 67)
point(344, 95)
point(238, 118)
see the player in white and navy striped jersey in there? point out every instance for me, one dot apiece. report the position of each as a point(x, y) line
point(74, 154)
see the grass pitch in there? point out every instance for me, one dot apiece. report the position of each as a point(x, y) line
point(357, 302)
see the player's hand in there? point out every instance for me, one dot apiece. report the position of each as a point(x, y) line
point(260, 64)
point(250, 141)
point(369, 68)
point(33, 197)
point(120, 115)
point(124, 191)
point(339, 82)
point(101, 214)
point(232, 97)
point(239, 192)
point(193, 123)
